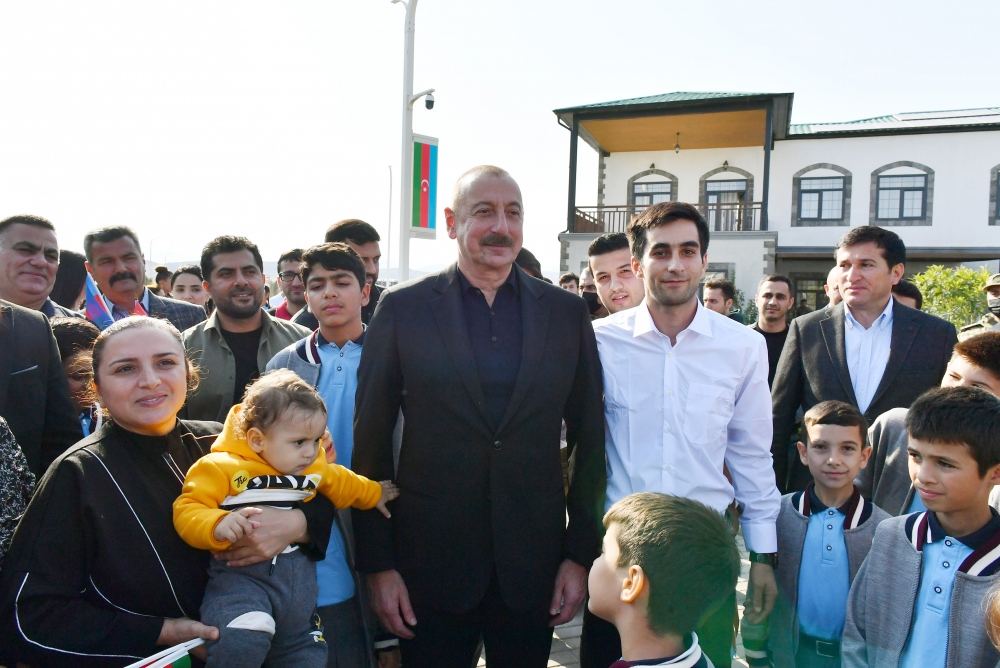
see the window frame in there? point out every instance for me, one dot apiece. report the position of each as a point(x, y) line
point(819, 209)
point(902, 190)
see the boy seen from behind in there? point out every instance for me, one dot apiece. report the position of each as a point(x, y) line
point(667, 563)
point(919, 597)
point(824, 535)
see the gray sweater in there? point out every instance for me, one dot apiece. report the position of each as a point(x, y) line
point(880, 606)
point(886, 479)
point(862, 517)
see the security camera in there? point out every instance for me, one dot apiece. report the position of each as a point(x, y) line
point(429, 100)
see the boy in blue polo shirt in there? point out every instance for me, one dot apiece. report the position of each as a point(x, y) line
point(336, 291)
point(919, 598)
point(824, 535)
point(666, 564)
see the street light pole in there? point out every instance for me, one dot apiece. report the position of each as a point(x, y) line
point(406, 162)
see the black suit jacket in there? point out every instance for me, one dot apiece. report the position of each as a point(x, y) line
point(813, 368)
point(34, 396)
point(474, 499)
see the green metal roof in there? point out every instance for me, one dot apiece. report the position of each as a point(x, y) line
point(911, 121)
point(666, 98)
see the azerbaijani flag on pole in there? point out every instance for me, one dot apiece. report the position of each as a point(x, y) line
point(423, 223)
point(96, 308)
point(172, 657)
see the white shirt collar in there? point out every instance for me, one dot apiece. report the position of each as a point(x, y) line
point(701, 324)
point(884, 318)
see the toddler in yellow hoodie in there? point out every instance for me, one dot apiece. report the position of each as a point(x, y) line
point(269, 453)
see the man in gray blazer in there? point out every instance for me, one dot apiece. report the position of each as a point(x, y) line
point(869, 351)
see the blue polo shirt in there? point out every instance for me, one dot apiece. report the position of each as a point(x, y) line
point(824, 572)
point(927, 643)
point(337, 384)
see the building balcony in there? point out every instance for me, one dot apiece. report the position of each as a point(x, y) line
point(729, 217)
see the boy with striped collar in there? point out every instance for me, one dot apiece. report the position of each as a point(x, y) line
point(919, 598)
point(824, 535)
point(667, 563)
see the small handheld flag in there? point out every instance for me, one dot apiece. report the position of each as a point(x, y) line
point(172, 657)
point(96, 308)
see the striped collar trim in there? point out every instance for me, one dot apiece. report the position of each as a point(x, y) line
point(308, 348)
point(922, 528)
point(856, 510)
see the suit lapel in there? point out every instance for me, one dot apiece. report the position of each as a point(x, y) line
point(836, 347)
point(534, 327)
point(904, 332)
point(7, 334)
point(447, 309)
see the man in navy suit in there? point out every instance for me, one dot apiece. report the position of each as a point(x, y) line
point(485, 363)
point(114, 259)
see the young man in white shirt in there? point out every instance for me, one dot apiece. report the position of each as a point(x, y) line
point(685, 395)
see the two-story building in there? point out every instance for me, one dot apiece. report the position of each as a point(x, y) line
point(779, 195)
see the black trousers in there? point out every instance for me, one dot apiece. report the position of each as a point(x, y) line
point(512, 639)
point(600, 645)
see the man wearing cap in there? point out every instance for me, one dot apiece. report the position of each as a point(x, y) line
point(991, 321)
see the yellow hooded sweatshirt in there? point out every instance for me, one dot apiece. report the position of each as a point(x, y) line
point(232, 475)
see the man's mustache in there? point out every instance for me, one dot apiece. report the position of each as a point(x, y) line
point(123, 276)
point(497, 240)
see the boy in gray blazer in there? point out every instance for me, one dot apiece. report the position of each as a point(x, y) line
point(919, 597)
point(824, 534)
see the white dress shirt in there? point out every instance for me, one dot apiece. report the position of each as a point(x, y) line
point(867, 353)
point(675, 413)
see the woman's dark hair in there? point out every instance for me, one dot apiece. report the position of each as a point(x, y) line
point(70, 278)
point(73, 335)
point(192, 269)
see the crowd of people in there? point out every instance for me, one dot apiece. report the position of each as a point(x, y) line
point(411, 476)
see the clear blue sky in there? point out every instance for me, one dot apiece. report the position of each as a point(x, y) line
point(190, 119)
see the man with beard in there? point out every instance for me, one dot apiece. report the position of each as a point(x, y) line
point(484, 363)
point(774, 297)
point(290, 283)
point(685, 401)
point(239, 338)
point(115, 261)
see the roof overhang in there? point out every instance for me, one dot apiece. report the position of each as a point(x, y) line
point(711, 123)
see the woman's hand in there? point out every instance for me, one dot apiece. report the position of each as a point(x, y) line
point(276, 530)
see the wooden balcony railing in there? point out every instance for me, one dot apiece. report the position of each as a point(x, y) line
point(735, 217)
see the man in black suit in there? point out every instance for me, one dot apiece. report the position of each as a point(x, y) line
point(34, 396)
point(114, 259)
point(485, 363)
point(869, 351)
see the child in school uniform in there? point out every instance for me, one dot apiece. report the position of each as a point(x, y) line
point(666, 564)
point(824, 534)
point(269, 453)
point(919, 598)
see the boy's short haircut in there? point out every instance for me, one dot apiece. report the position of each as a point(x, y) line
point(837, 413)
point(268, 398)
point(959, 415)
point(332, 257)
point(607, 243)
point(686, 551)
point(74, 335)
point(727, 287)
point(983, 351)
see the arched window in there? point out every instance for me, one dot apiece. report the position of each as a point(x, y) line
point(902, 194)
point(726, 196)
point(649, 187)
point(821, 196)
